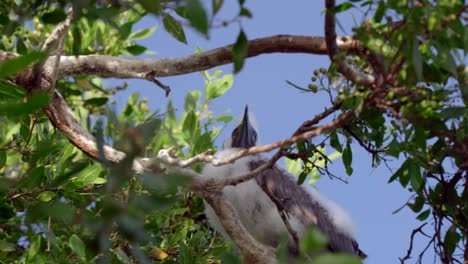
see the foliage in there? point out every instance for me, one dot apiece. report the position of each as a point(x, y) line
point(58, 205)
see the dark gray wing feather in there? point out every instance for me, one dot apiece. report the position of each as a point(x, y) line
point(295, 200)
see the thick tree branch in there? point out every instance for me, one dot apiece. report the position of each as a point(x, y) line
point(107, 66)
point(55, 40)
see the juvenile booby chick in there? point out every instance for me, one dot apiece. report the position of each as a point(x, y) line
point(259, 214)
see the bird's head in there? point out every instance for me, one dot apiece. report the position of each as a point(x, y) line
point(244, 135)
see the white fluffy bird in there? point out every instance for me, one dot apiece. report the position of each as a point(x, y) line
point(260, 215)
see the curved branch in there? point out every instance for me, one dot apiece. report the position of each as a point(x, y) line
point(107, 66)
point(344, 68)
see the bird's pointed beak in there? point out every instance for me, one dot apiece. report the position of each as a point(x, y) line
point(244, 136)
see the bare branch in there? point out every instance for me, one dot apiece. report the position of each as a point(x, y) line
point(251, 250)
point(107, 66)
point(55, 39)
point(344, 68)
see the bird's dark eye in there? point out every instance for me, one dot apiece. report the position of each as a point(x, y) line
point(235, 133)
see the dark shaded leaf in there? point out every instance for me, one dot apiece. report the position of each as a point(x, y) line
point(174, 28)
point(152, 6)
point(197, 16)
point(380, 11)
point(54, 17)
point(245, 12)
point(424, 215)
point(239, 51)
point(348, 159)
point(135, 50)
point(97, 101)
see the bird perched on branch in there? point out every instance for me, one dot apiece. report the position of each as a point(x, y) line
point(273, 204)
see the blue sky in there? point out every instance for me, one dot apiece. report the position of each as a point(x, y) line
point(279, 110)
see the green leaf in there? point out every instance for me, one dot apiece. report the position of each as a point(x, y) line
point(216, 5)
point(334, 258)
point(88, 176)
point(35, 246)
point(3, 159)
point(152, 6)
point(54, 17)
point(239, 51)
point(342, 7)
point(6, 246)
point(424, 215)
point(313, 240)
point(451, 239)
point(379, 13)
point(335, 142)
point(46, 196)
point(77, 245)
point(34, 178)
point(393, 148)
point(136, 50)
point(302, 177)
point(96, 101)
point(15, 65)
point(142, 33)
point(190, 126)
point(191, 100)
point(218, 87)
point(197, 16)
point(174, 28)
point(348, 159)
point(11, 92)
point(416, 179)
point(245, 12)
point(6, 211)
point(224, 118)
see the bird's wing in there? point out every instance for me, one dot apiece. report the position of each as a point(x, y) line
point(295, 200)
